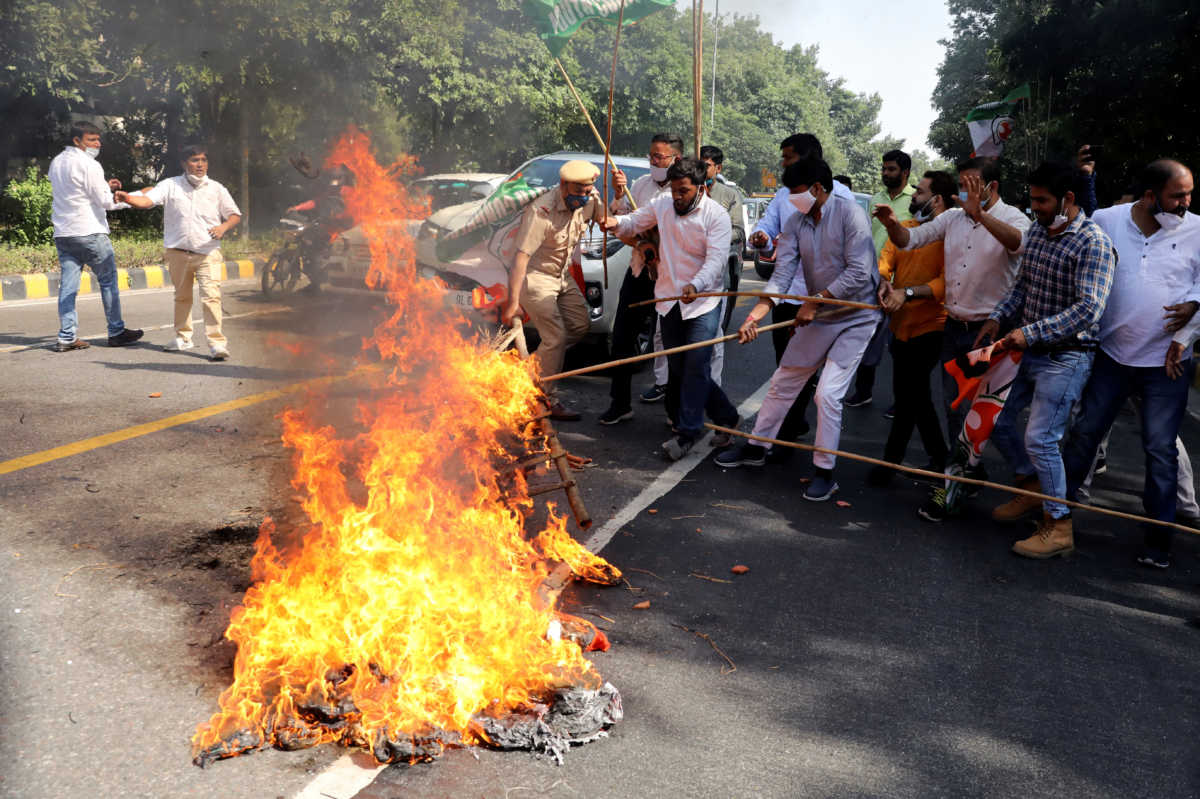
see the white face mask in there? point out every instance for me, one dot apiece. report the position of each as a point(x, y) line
point(196, 180)
point(658, 173)
point(1166, 219)
point(803, 202)
point(92, 152)
point(1060, 218)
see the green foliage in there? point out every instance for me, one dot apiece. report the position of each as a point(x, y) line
point(29, 203)
point(143, 248)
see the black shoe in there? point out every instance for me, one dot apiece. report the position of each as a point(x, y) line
point(858, 399)
point(1101, 467)
point(124, 338)
point(614, 415)
point(742, 455)
point(654, 394)
point(934, 509)
point(67, 346)
point(1155, 559)
point(932, 466)
point(560, 414)
point(890, 413)
point(880, 476)
point(780, 454)
point(977, 472)
point(676, 448)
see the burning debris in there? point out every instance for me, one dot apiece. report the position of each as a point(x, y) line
point(413, 616)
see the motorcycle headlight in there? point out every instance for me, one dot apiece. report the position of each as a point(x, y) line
point(594, 294)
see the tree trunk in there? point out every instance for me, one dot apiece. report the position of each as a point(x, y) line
point(244, 153)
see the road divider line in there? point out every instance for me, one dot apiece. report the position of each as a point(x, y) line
point(117, 436)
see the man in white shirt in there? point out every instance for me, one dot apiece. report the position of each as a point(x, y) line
point(81, 196)
point(694, 236)
point(1158, 267)
point(982, 245)
point(825, 250)
point(197, 213)
point(638, 283)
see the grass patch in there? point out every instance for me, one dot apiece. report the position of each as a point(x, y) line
point(134, 249)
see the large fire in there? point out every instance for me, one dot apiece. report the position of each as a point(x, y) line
point(412, 608)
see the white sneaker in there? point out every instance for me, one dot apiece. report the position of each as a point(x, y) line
point(179, 345)
point(219, 353)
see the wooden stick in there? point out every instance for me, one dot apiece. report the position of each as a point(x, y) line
point(612, 83)
point(673, 351)
point(592, 125)
point(764, 294)
point(953, 478)
point(697, 68)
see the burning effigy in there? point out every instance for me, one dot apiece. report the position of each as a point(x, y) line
point(413, 616)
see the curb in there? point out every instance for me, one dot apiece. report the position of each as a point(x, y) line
point(45, 284)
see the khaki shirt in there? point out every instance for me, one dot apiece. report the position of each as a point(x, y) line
point(550, 231)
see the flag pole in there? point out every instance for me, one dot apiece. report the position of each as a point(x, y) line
point(592, 125)
point(612, 83)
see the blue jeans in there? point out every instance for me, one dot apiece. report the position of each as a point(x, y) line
point(690, 388)
point(1049, 385)
point(1163, 404)
point(75, 252)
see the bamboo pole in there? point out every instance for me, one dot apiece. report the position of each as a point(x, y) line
point(765, 294)
point(697, 68)
point(673, 351)
point(612, 84)
point(592, 125)
point(953, 478)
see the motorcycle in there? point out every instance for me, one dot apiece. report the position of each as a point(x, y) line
point(300, 255)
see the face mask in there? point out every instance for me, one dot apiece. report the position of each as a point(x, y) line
point(658, 173)
point(1060, 218)
point(983, 198)
point(196, 180)
point(92, 152)
point(804, 201)
point(708, 183)
point(692, 207)
point(576, 201)
point(924, 213)
point(1168, 220)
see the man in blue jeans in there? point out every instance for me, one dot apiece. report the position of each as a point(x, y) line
point(1053, 314)
point(81, 196)
point(1158, 244)
point(694, 236)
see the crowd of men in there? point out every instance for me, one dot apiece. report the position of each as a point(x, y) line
point(1096, 306)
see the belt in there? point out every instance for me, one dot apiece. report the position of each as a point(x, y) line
point(189, 252)
point(950, 320)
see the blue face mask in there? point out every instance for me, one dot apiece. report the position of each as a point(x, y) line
point(576, 201)
point(708, 183)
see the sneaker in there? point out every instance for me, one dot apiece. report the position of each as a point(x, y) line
point(934, 509)
point(821, 488)
point(976, 472)
point(654, 393)
point(742, 455)
point(124, 338)
point(1155, 559)
point(179, 345)
point(219, 353)
point(890, 413)
point(559, 413)
point(614, 415)
point(858, 399)
point(1101, 467)
point(677, 447)
point(67, 346)
point(880, 476)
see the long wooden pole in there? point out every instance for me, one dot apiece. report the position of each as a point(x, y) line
point(953, 478)
point(697, 68)
point(612, 84)
point(599, 367)
point(592, 125)
point(766, 294)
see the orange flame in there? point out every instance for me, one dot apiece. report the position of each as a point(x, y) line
point(416, 584)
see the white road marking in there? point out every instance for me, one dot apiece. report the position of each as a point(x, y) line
point(345, 777)
point(668, 479)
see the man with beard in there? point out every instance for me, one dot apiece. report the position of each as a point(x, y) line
point(897, 193)
point(825, 250)
point(1053, 316)
point(911, 294)
point(1158, 268)
point(638, 284)
point(694, 235)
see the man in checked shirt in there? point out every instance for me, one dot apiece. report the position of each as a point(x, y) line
point(1053, 314)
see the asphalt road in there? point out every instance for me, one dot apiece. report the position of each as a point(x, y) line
point(875, 654)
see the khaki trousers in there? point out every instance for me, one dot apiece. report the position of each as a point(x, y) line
point(560, 314)
point(186, 267)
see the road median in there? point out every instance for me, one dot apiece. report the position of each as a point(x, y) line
point(39, 285)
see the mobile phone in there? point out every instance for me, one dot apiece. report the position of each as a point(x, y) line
point(1093, 152)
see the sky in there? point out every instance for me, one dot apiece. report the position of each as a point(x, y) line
point(887, 48)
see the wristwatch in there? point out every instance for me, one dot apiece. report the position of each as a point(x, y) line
point(910, 294)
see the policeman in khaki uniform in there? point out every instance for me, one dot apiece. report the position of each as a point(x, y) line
point(540, 281)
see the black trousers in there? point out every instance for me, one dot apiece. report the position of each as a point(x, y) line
point(912, 363)
point(626, 325)
point(794, 423)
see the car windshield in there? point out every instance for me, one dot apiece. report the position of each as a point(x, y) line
point(443, 193)
point(544, 171)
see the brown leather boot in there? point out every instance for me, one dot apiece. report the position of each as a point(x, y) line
point(1053, 537)
point(1020, 505)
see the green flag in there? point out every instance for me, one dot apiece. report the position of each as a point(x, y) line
point(992, 124)
point(557, 20)
point(504, 204)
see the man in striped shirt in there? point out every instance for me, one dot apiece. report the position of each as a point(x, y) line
point(1053, 314)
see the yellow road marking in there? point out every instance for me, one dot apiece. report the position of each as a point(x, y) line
point(154, 277)
point(37, 286)
point(117, 436)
